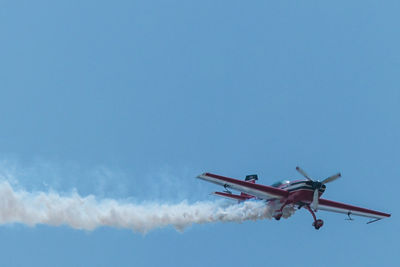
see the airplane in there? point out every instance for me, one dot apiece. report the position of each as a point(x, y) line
point(305, 193)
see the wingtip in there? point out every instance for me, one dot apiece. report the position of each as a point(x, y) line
point(201, 175)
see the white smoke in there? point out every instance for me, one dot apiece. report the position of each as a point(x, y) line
point(88, 213)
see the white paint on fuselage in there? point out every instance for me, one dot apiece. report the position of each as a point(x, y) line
point(298, 184)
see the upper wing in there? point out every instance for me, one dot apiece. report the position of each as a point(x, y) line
point(257, 190)
point(334, 206)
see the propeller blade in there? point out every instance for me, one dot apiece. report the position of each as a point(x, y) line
point(303, 173)
point(331, 178)
point(314, 204)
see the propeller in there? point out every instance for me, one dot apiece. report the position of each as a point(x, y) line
point(316, 185)
point(300, 170)
point(314, 204)
point(331, 178)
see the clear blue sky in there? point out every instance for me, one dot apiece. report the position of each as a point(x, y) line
point(135, 98)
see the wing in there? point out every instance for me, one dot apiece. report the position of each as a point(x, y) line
point(334, 206)
point(257, 190)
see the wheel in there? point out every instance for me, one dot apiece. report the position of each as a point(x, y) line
point(318, 224)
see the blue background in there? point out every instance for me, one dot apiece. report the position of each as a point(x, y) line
point(133, 99)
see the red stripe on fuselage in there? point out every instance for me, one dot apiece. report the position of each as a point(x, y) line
point(302, 195)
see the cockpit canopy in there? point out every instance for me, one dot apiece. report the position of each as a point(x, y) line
point(278, 184)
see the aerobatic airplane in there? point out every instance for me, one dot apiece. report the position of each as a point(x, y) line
point(305, 193)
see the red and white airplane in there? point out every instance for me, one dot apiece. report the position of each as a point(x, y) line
point(305, 193)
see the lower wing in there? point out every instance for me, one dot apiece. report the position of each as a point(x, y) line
point(334, 206)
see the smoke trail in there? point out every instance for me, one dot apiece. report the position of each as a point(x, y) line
point(88, 213)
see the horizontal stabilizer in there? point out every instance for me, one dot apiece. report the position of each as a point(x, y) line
point(230, 196)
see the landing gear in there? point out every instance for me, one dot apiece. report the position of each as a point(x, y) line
point(317, 223)
point(279, 212)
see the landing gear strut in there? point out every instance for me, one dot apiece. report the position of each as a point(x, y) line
point(280, 211)
point(317, 223)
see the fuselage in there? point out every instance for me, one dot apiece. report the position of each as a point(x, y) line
point(298, 185)
point(301, 191)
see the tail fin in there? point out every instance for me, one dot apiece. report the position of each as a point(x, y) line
point(251, 178)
